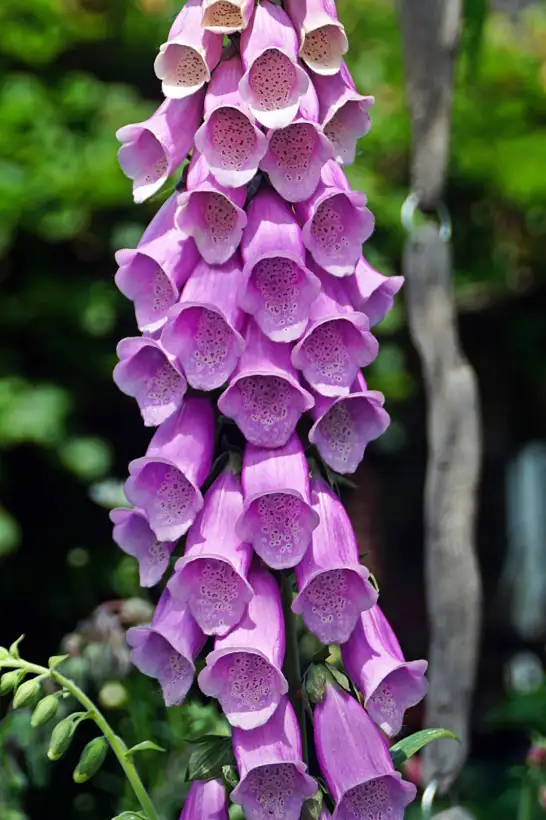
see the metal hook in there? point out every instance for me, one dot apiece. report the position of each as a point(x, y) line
point(407, 215)
point(428, 799)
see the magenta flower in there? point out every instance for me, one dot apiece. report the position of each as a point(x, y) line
point(152, 274)
point(374, 660)
point(165, 482)
point(273, 82)
point(244, 671)
point(206, 800)
point(133, 535)
point(333, 587)
point(278, 518)
point(344, 113)
point(229, 139)
point(335, 222)
point(146, 372)
point(355, 761)
point(344, 426)
point(264, 397)
point(371, 292)
point(167, 648)
point(203, 333)
point(297, 153)
point(185, 62)
point(337, 342)
point(323, 41)
point(278, 287)
point(213, 215)
point(152, 150)
point(212, 576)
point(227, 16)
point(274, 781)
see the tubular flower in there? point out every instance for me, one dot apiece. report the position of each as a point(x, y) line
point(213, 215)
point(323, 41)
point(278, 518)
point(165, 482)
point(244, 671)
point(371, 292)
point(355, 761)
point(152, 150)
point(278, 288)
point(273, 83)
point(274, 780)
point(264, 397)
point(146, 372)
point(203, 332)
point(133, 535)
point(226, 16)
point(167, 648)
point(152, 274)
point(297, 153)
point(186, 60)
point(206, 800)
point(229, 138)
point(375, 661)
point(335, 222)
point(344, 113)
point(212, 576)
point(337, 342)
point(333, 587)
point(344, 426)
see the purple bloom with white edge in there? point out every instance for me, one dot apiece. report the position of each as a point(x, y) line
point(210, 213)
point(344, 426)
point(152, 274)
point(323, 41)
point(273, 82)
point(264, 397)
point(335, 222)
point(297, 153)
point(153, 149)
point(167, 648)
point(165, 482)
point(229, 139)
point(204, 329)
point(133, 535)
point(371, 292)
point(206, 800)
point(278, 286)
point(325, 815)
point(344, 113)
point(274, 781)
point(278, 518)
point(333, 587)
point(355, 761)
point(374, 660)
point(337, 342)
point(146, 372)
point(244, 671)
point(185, 62)
point(212, 575)
point(227, 16)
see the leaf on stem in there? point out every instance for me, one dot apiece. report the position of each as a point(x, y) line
point(144, 746)
point(209, 758)
point(406, 748)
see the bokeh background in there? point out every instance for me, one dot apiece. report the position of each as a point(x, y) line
point(71, 73)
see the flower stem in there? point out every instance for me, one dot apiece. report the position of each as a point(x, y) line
point(526, 795)
point(116, 743)
point(292, 668)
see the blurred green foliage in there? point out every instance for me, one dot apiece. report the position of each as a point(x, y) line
point(71, 73)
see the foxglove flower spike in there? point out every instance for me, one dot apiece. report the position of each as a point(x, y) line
point(133, 535)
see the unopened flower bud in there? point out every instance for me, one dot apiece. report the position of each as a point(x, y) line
point(9, 681)
point(91, 759)
point(45, 710)
point(536, 756)
point(26, 694)
point(61, 737)
point(316, 681)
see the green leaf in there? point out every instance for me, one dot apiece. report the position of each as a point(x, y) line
point(129, 815)
point(14, 648)
point(312, 808)
point(209, 758)
point(406, 748)
point(55, 660)
point(230, 776)
point(145, 746)
point(340, 677)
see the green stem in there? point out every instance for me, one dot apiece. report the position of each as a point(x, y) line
point(292, 668)
point(116, 743)
point(526, 801)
